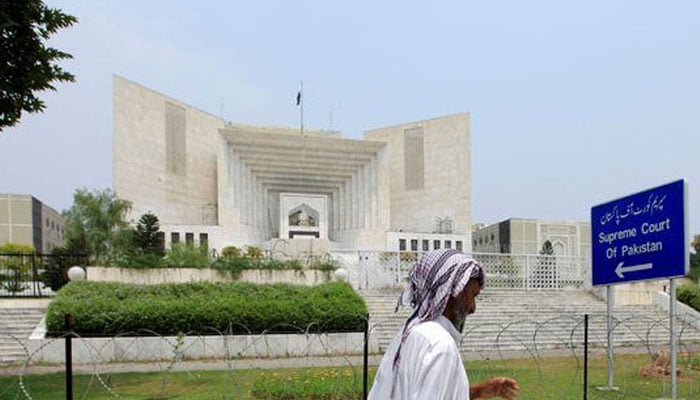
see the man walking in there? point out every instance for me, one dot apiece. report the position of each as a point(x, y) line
point(423, 361)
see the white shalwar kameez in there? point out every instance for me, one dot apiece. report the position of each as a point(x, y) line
point(431, 367)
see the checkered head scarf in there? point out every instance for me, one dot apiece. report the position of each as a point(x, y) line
point(437, 276)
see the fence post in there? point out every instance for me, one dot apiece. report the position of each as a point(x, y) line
point(35, 278)
point(585, 357)
point(68, 326)
point(365, 359)
point(526, 281)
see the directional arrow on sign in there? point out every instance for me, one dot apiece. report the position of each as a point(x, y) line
point(620, 270)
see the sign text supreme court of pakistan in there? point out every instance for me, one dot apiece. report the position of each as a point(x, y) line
point(640, 237)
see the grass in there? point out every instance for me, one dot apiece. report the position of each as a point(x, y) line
point(546, 378)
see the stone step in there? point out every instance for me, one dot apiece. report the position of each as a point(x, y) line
point(16, 324)
point(517, 315)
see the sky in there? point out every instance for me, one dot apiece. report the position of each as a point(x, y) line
point(573, 103)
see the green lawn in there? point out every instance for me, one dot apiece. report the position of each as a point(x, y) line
point(548, 378)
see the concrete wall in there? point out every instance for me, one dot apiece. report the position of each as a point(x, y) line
point(151, 276)
point(444, 159)
point(635, 293)
point(180, 191)
point(684, 312)
point(131, 349)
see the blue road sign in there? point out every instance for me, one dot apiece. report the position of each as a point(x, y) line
point(640, 237)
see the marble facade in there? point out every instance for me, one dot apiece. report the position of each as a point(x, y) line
point(234, 184)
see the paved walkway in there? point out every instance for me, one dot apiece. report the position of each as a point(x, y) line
point(296, 362)
point(199, 365)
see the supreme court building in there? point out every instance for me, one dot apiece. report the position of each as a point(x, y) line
point(403, 187)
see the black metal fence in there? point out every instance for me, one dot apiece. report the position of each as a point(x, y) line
point(35, 275)
point(304, 365)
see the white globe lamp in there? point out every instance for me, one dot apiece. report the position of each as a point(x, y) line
point(76, 273)
point(341, 274)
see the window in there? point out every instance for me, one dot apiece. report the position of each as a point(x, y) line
point(48, 224)
point(426, 244)
point(402, 244)
point(414, 244)
point(448, 244)
point(204, 239)
point(458, 245)
point(189, 238)
point(436, 244)
point(174, 237)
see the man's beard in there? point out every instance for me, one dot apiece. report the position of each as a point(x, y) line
point(458, 319)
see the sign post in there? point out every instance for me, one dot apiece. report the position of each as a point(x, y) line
point(641, 237)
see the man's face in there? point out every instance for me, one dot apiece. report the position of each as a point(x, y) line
point(464, 304)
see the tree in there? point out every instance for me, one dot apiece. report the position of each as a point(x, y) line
point(55, 274)
point(695, 259)
point(27, 66)
point(94, 221)
point(147, 236)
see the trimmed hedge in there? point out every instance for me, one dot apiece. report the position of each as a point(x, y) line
point(108, 309)
point(689, 294)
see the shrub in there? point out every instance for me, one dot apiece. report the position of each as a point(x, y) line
point(689, 294)
point(254, 252)
point(324, 263)
point(144, 260)
point(187, 255)
point(234, 265)
point(230, 252)
point(16, 263)
point(108, 309)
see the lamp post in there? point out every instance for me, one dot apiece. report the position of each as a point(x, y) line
point(75, 273)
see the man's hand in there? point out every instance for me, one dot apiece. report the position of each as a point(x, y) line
point(506, 388)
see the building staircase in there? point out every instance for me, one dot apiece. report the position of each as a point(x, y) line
point(16, 325)
point(538, 320)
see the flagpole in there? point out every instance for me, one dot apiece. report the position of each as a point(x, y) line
point(301, 107)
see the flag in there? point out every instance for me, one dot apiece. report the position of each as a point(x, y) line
point(298, 98)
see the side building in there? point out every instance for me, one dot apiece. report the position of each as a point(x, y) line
point(26, 220)
point(527, 236)
point(404, 187)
